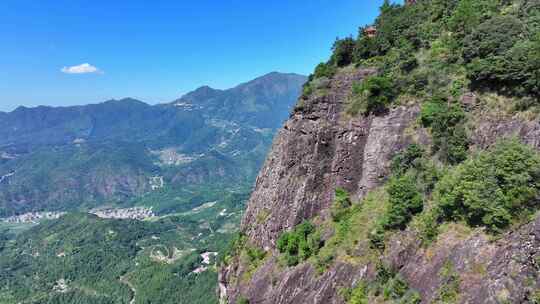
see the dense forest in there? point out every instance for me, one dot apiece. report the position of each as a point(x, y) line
point(81, 258)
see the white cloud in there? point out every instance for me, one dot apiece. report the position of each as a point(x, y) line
point(84, 68)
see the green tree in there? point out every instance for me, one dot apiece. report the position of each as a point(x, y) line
point(299, 244)
point(343, 51)
point(500, 57)
point(491, 188)
point(324, 70)
point(534, 63)
point(342, 203)
point(359, 295)
point(372, 95)
point(449, 136)
point(404, 202)
point(406, 159)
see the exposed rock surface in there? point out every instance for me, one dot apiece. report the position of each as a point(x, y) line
point(491, 129)
point(488, 271)
point(319, 149)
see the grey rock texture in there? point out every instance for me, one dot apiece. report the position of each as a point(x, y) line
point(319, 149)
point(489, 271)
point(491, 129)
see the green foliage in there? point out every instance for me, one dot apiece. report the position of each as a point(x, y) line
point(499, 57)
point(394, 25)
point(469, 14)
point(234, 247)
point(163, 283)
point(372, 95)
point(494, 39)
point(324, 70)
point(406, 159)
point(97, 257)
point(413, 176)
point(242, 300)
point(351, 229)
point(411, 297)
point(533, 58)
point(404, 202)
point(255, 254)
point(357, 295)
point(449, 290)
point(343, 52)
point(414, 161)
point(299, 244)
point(491, 188)
point(392, 287)
point(536, 297)
point(365, 48)
point(395, 288)
point(251, 257)
point(341, 205)
point(428, 226)
point(427, 47)
point(307, 90)
point(376, 236)
point(446, 122)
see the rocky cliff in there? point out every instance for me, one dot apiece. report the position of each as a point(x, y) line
point(321, 148)
point(409, 171)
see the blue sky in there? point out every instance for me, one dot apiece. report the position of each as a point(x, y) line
point(157, 50)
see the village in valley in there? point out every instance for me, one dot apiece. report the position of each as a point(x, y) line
point(135, 213)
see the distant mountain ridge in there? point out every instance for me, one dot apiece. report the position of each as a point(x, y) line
point(83, 156)
point(257, 98)
point(262, 102)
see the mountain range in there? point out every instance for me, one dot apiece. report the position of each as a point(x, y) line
point(68, 158)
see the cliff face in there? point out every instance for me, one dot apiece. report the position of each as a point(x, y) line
point(501, 271)
point(321, 148)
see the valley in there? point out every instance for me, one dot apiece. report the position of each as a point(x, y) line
point(123, 202)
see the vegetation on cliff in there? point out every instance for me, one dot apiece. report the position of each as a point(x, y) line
point(492, 188)
point(433, 52)
point(299, 244)
point(443, 48)
point(450, 61)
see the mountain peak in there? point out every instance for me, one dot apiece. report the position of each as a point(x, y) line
point(206, 92)
point(274, 77)
point(201, 93)
point(126, 100)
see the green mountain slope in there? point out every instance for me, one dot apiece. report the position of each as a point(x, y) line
point(81, 258)
point(75, 158)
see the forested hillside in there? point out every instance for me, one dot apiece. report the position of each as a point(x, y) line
point(168, 184)
point(125, 152)
point(81, 258)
